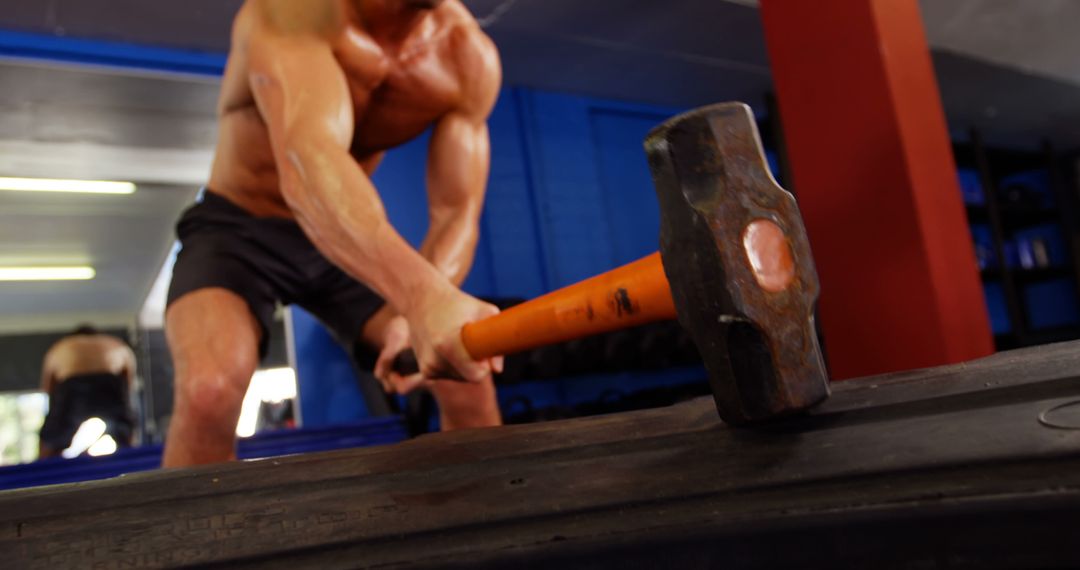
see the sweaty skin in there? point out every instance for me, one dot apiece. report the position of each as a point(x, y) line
point(83, 354)
point(314, 93)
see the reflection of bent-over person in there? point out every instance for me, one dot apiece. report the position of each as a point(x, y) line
point(86, 374)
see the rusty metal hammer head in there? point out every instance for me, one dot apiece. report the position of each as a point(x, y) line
point(736, 254)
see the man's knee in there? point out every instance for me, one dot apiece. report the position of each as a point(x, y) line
point(462, 395)
point(212, 397)
point(467, 405)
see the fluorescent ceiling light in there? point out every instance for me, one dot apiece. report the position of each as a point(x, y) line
point(46, 273)
point(58, 185)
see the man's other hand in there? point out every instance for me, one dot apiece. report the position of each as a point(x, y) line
point(395, 340)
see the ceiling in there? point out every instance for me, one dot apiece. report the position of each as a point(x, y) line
point(124, 237)
point(1005, 66)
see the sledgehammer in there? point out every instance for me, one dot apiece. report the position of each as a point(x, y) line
point(734, 267)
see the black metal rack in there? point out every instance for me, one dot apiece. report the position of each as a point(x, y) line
point(1004, 218)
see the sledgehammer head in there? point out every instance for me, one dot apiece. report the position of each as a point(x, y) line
point(736, 254)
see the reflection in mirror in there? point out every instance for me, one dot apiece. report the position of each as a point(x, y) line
point(95, 165)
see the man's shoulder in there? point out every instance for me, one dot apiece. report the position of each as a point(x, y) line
point(471, 47)
point(475, 58)
point(60, 344)
point(290, 18)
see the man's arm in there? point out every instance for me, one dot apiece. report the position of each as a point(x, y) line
point(459, 159)
point(457, 176)
point(303, 96)
point(304, 99)
point(48, 371)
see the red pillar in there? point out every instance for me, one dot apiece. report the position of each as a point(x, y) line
point(877, 185)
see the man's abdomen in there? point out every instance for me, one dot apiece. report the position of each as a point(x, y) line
point(244, 170)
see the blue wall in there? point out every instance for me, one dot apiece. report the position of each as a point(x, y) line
point(569, 196)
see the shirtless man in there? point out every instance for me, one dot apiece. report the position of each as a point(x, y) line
point(86, 374)
point(314, 93)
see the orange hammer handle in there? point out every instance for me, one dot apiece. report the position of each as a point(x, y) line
point(634, 294)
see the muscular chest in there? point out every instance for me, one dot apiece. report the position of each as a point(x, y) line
point(395, 97)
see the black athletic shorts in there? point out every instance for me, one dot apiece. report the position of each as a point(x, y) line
point(266, 260)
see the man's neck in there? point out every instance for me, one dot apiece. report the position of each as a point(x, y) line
point(389, 20)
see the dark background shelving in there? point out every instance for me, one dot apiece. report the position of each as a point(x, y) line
point(1021, 207)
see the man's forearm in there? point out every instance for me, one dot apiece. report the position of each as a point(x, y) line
point(339, 209)
point(450, 244)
